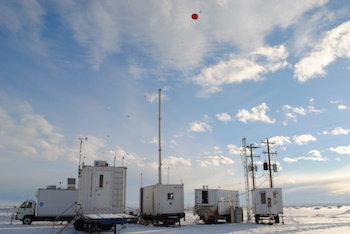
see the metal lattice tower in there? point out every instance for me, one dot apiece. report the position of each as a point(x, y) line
point(246, 178)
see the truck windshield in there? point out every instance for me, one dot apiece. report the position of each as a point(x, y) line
point(26, 205)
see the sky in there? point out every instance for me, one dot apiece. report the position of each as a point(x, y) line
point(276, 70)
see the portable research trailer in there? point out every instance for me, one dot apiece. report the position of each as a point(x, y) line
point(214, 204)
point(53, 204)
point(101, 197)
point(267, 203)
point(162, 203)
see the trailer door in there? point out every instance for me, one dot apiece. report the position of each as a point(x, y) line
point(102, 191)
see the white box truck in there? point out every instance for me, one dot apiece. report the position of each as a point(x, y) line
point(214, 204)
point(267, 204)
point(101, 197)
point(162, 203)
point(52, 204)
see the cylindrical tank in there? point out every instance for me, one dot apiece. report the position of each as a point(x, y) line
point(274, 166)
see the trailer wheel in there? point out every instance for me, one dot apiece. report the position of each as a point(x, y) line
point(27, 220)
point(277, 219)
point(79, 225)
point(257, 217)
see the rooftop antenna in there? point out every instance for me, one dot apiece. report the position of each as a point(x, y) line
point(81, 145)
point(160, 138)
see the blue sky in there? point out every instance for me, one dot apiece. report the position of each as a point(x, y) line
point(254, 69)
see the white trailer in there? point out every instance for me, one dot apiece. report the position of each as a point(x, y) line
point(162, 203)
point(267, 204)
point(214, 204)
point(52, 204)
point(101, 196)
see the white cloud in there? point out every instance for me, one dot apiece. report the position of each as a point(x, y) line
point(294, 160)
point(238, 69)
point(207, 119)
point(214, 161)
point(292, 112)
point(27, 16)
point(337, 131)
point(96, 26)
point(30, 135)
point(171, 160)
point(336, 43)
point(104, 28)
point(280, 140)
point(336, 101)
point(341, 149)
point(304, 139)
point(257, 113)
point(233, 149)
point(224, 117)
point(342, 107)
point(199, 126)
point(217, 150)
point(308, 27)
point(154, 97)
point(155, 140)
point(119, 153)
point(315, 153)
point(25, 20)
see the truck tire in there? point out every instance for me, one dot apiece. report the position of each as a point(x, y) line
point(27, 220)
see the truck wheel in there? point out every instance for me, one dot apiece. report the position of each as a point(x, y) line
point(27, 220)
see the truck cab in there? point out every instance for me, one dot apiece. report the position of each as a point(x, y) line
point(26, 211)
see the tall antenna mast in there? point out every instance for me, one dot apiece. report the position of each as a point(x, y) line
point(81, 145)
point(160, 137)
point(246, 178)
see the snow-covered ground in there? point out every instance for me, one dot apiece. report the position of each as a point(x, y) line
point(296, 220)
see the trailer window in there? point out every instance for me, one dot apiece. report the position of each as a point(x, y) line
point(170, 196)
point(205, 197)
point(101, 181)
point(263, 197)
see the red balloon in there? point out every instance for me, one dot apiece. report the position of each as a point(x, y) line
point(194, 16)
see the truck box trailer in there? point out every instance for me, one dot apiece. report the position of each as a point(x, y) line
point(52, 204)
point(101, 197)
point(162, 203)
point(267, 204)
point(214, 204)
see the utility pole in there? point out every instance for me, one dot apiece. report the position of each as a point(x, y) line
point(81, 145)
point(251, 147)
point(269, 152)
